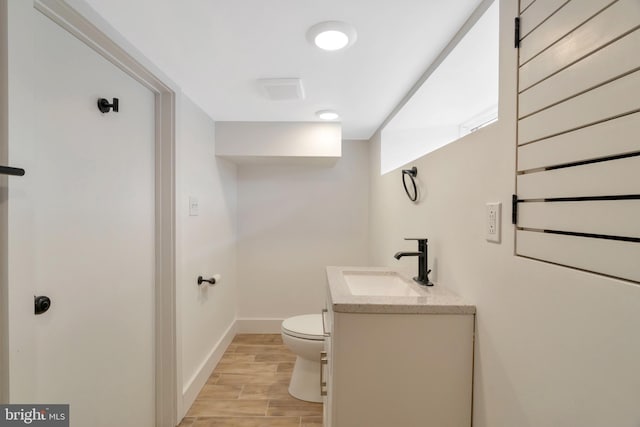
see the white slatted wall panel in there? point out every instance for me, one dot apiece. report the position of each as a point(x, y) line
point(578, 168)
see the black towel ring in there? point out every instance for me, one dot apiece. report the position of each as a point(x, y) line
point(413, 172)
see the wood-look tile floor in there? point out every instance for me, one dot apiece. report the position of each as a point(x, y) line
point(249, 386)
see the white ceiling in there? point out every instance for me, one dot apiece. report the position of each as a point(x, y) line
point(217, 49)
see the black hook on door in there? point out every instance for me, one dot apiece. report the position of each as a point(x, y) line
point(104, 106)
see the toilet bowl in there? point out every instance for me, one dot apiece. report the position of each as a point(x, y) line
point(304, 336)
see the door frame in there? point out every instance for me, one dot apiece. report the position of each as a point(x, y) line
point(85, 24)
point(4, 291)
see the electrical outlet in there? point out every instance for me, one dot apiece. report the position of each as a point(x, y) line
point(493, 222)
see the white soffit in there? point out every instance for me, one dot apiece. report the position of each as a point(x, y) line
point(241, 141)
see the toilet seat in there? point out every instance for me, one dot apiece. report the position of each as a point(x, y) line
point(306, 326)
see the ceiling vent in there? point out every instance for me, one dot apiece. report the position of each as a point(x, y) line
point(282, 89)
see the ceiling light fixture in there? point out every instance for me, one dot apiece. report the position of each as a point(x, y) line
point(332, 35)
point(327, 115)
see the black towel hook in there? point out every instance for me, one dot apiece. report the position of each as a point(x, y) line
point(413, 172)
point(104, 106)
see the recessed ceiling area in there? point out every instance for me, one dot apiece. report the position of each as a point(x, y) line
point(217, 50)
point(459, 94)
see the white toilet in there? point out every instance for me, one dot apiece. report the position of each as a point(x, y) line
point(304, 336)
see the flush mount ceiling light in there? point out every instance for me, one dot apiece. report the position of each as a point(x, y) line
point(332, 35)
point(327, 115)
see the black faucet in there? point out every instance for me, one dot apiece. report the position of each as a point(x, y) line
point(423, 272)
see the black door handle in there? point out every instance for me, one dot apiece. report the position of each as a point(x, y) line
point(6, 170)
point(41, 303)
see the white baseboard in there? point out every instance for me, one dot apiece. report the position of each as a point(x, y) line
point(258, 325)
point(195, 384)
point(240, 326)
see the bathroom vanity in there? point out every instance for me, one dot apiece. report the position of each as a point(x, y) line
point(396, 353)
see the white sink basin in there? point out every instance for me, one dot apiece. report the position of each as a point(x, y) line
point(378, 283)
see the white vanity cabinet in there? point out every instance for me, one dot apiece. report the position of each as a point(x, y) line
point(389, 367)
point(326, 365)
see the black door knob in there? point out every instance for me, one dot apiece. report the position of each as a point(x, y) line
point(42, 304)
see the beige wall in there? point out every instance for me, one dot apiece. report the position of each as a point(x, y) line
point(554, 346)
point(293, 220)
point(206, 245)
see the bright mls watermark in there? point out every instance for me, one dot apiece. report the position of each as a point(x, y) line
point(34, 415)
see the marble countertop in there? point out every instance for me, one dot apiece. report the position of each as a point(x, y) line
point(435, 299)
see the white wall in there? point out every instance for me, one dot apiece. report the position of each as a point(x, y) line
point(206, 246)
point(293, 220)
point(554, 346)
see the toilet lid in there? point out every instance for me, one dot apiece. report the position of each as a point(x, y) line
point(307, 326)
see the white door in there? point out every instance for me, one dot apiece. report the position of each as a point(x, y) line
point(92, 188)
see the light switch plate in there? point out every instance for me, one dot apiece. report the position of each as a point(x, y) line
point(194, 207)
point(493, 222)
